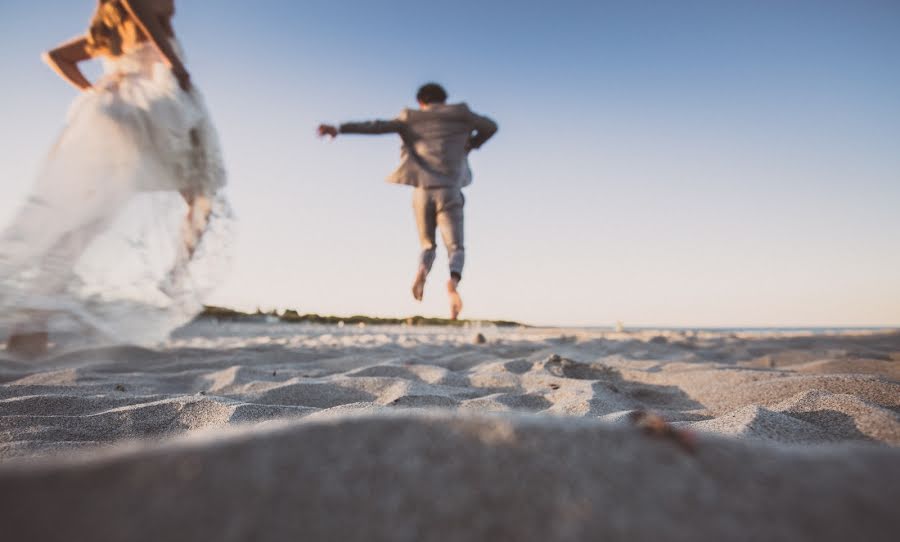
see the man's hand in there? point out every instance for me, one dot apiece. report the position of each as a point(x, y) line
point(327, 130)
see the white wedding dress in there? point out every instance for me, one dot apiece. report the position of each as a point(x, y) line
point(102, 250)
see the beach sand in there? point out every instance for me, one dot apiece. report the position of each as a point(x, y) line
point(245, 431)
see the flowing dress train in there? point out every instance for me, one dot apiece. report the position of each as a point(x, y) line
point(127, 229)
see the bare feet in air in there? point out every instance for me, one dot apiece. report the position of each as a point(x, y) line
point(418, 289)
point(455, 301)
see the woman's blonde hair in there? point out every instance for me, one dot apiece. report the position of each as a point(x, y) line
point(112, 30)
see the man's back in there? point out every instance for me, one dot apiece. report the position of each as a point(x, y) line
point(444, 128)
point(436, 143)
point(439, 136)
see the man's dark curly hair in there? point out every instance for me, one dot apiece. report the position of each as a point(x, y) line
point(431, 93)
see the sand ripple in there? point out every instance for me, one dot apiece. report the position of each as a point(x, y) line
point(788, 389)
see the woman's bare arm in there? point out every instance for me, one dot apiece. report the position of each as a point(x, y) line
point(64, 61)
point(147, 15)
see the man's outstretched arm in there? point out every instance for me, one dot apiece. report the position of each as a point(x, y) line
point(368, 127)
point(485, 129)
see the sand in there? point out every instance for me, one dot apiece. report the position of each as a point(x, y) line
point(266, 432)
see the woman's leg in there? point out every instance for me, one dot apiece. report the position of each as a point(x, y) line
point(193, 227)
point(196, 219)
point(195, 222)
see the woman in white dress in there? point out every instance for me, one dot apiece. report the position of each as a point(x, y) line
point(127, 229)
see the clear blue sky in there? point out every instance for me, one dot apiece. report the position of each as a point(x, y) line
point(688, 163)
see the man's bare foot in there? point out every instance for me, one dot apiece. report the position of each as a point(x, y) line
point(456, 304)
point(28, 345)
point(418, 289)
